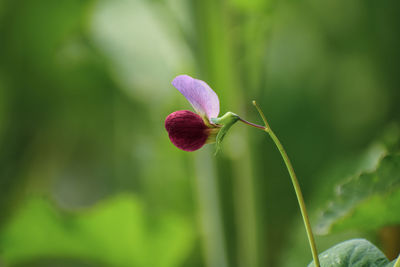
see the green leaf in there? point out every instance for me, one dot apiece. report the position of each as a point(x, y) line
point(390, 264)
point(115, 232)
point(367, 201)
point(352, 253)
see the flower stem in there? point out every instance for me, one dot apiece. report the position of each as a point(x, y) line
point(299, 195)
point(296, 185)
point(261, 114)
point(252, 124)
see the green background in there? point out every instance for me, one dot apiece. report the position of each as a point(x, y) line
point(88, 176)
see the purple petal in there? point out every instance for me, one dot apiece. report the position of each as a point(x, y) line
point(203, 99)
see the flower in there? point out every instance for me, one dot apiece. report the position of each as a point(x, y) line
point(187, 130)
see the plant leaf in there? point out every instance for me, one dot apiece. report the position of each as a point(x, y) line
point(352, 253)
point(367, 201)
point(391, 264)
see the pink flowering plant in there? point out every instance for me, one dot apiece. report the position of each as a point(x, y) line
point(187, 130)
point(190, 131)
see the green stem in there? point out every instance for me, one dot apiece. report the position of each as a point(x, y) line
point(299, 195)
point(397, 263)
point(252, 124)
point(296, 186)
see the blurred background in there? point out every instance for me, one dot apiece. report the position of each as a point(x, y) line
point(88, 176)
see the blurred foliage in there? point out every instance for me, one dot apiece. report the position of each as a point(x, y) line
point(39, 230)
point(84, 90)
point(369, 199)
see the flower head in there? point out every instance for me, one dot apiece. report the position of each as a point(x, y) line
point(187, 130)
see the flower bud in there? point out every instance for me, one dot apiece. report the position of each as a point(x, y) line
point(188, 131)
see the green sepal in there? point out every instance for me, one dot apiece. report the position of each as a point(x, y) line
point(227, 120)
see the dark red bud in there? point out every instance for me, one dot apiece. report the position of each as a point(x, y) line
point(186, 130)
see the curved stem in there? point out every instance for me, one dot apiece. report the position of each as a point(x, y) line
point(261, 114)
point(251, 124)
point(299, 195)
point(296, 186)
